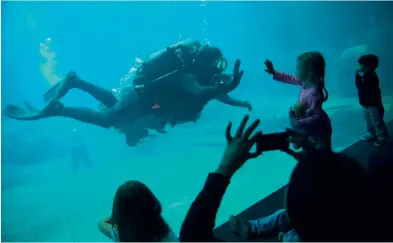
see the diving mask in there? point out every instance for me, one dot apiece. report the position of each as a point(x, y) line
point(220, 65)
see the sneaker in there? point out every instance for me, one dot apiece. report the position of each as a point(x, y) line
point(379, 143)
point(368, 138)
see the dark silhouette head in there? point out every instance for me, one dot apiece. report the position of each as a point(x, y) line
point(327, 198)
point(210, 59)
point(311, 66)
point(368, 62)
point(381, 171)
point(136, 214)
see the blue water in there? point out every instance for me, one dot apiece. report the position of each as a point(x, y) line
point(43, 199)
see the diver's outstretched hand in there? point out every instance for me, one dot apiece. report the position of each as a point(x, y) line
point(237, 77)
point(269, 67)
point(238, 147)
point(237, 73)
point(247, 105)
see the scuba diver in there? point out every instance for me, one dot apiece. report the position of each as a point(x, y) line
point(79, 151)
point(171, 86)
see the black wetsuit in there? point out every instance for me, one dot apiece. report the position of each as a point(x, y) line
point(176, 102)
point(173, 101)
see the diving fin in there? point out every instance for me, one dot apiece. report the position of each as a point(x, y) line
point(30, 107)
point(17, 113)
point(51, 93)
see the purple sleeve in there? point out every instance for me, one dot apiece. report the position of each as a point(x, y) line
point(286, 78)
point(314, 109)
point(267, 225)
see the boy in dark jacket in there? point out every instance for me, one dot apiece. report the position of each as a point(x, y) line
point(367, 83)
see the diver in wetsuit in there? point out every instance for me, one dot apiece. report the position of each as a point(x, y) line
point(79, 151)
point(179, 80)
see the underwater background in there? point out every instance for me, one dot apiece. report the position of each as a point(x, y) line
point(45, 199)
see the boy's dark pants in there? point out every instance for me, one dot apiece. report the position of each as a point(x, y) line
point(376, 127)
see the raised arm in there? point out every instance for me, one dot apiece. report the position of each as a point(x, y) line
point(200, 220)
point(191, 85)
point(286, 78)
point(228, 100)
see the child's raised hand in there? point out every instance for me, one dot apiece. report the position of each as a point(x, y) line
point(269, 67)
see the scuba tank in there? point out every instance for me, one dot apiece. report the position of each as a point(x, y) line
point(165, 63)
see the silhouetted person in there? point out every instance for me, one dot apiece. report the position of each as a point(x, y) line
point(79, 152)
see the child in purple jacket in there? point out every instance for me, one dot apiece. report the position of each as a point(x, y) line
point(307, 115)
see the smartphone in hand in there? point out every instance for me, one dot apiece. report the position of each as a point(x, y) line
point(273, 141)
